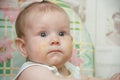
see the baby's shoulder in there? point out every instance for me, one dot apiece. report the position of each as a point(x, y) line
point(34, 73)
point(31, 70)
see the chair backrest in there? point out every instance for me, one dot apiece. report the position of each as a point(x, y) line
point(12, 60)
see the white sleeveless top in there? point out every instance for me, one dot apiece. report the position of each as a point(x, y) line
point(75, 71)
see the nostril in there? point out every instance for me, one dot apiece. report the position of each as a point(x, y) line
point(55, 43)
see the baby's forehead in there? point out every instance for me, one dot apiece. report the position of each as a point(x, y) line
point(34, 11)
point(34, 14)
point(35, 18)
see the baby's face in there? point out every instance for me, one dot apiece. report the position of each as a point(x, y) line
point(48, 40)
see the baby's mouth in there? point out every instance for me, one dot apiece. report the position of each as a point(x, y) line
point(55, 51)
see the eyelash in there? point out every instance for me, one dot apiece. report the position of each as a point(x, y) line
point(63, 33)
point(44, 34)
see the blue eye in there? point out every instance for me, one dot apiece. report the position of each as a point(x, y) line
point(61, 33)
point(43, 34)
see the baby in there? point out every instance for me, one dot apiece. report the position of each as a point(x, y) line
point(44, 39)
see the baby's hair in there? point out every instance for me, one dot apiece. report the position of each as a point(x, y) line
point(42, 7)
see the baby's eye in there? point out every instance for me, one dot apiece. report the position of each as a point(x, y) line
point(43, 34)
point(61, 33)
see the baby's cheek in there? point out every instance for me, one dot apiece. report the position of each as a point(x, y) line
point(42, 47)
point(68, 45)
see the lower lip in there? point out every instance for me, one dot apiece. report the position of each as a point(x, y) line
point(53, 53)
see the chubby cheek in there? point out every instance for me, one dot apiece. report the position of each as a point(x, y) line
point(68, 47)
point(39, 52)
point(42, 46)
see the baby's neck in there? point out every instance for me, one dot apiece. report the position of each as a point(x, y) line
point(63, 71)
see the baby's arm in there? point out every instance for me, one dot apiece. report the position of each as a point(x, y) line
point(40, 73)
point(115, 77)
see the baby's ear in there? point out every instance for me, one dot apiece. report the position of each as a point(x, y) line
point(20, 44)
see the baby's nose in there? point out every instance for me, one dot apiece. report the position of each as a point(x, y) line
point(55, 40)
point(55, 43)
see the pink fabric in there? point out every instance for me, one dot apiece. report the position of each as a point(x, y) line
point(10, 10)
point(76, 60)
point(5, 49)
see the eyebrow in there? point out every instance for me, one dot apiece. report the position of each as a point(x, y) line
point(65, 26)
point(42, 27)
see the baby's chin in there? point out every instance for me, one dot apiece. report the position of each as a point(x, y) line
point(57, 63)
